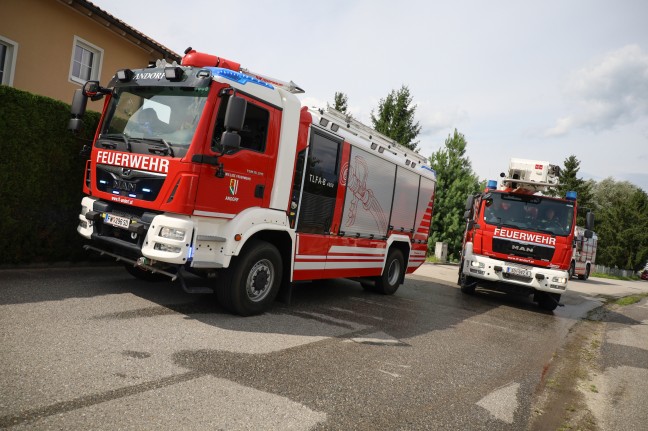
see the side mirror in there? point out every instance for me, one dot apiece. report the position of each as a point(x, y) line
point(235, 114)
point(79, 103)
point(589, 220)
point(230, 141)
point(470, 202)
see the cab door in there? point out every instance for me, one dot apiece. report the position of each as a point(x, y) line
point(244, 177)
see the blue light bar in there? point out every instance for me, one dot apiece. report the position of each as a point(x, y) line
point(146, 190)
point(571, 195)
point(492, 184)
point(237, 77)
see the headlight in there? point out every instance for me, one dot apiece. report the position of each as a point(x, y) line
point(562, 280)
point(166, 247)
point(477, 264)
point(172, 233)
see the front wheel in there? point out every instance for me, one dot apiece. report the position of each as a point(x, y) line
point(547, 301)
point(466, 284)
point(252, 282)
point(390, 280)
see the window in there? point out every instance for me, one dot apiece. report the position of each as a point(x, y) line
point(86, 61)
point(255, 127)
point(8, 53)
point(320, 184)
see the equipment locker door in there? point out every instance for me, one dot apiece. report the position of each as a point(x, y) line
point(316, 205)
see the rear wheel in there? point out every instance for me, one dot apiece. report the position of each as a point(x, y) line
point(252, 282)
point(586, 275)
point(547, 301)
point(388, 282)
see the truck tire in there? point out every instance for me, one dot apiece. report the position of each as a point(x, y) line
point(143, 274)
point(390, 280)
point(466, 284)
point(586, 275)
point(252, 281)
point(547, 301)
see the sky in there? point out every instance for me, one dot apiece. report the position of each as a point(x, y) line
point(538, 80)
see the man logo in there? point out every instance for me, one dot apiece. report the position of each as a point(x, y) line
point(521, 248)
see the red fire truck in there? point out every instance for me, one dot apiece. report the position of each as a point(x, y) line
point(209, 168)
point(584, 254)
point(518, 240)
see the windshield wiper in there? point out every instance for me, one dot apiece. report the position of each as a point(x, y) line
point(166, 145)
point(121, 136)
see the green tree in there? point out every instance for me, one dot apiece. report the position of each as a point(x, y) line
point(395, 118)
point(455, 181)
point(340, 102)
point(621, 224)
point(569, 181)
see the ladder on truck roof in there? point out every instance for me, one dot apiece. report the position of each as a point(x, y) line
point(531, 175)
point(350, 124)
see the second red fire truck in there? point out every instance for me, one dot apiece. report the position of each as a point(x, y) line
point(208, 168)
point(519, 240)
point(584, 254)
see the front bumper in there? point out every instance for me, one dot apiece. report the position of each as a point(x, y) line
point(525, 277)
point(159, 237)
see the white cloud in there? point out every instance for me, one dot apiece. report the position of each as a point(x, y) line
point(435, 119)
point(610, 93)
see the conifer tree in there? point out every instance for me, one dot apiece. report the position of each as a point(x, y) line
point(395, 118)
point(456, 180)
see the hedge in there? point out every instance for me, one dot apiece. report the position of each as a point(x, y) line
point(41, 175)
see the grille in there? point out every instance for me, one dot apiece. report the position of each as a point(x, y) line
point(514, 248)
point(129, 182)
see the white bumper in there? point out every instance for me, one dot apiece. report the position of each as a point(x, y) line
point(495, 270)
point(169, 239)
point(204, 242)
point(85, 227)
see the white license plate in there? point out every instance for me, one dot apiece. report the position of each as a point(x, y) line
point(117, 221)
point(518, 271)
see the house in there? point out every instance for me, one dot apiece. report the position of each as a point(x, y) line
point(52, 47)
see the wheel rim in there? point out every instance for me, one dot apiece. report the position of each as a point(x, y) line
point(259, 280)
point(393, 274)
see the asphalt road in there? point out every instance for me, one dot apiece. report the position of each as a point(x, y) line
point(93, 348)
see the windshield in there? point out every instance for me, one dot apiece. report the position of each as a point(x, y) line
point(535, 213)
point(157, 116)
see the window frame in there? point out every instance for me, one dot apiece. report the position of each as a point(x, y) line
point(97, 60)
point(9, 68)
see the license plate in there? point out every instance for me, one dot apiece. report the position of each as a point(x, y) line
point(518, 271)
point(117, 221)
